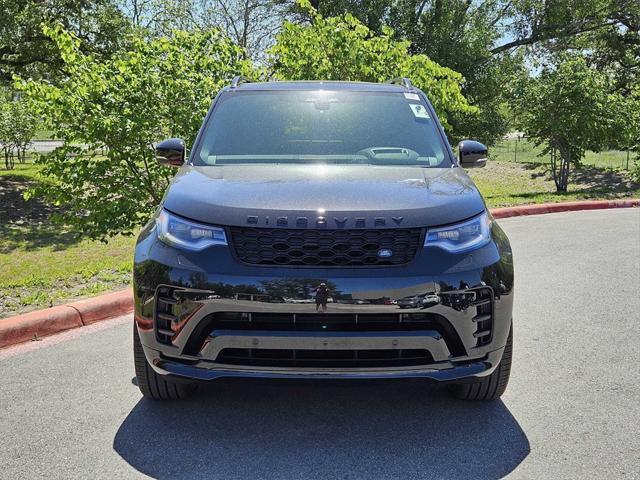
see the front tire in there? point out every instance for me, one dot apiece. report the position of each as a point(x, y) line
point(492, 386)
point(151, 384)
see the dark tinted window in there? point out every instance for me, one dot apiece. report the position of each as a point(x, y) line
point(321, 126)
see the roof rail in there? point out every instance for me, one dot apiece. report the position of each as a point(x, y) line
point(405, 82)
point(239, 80)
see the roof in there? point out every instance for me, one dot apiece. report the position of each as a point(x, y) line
point(320, 85)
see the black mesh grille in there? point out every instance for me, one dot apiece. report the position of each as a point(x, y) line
point(326, 248)
point(325, 358)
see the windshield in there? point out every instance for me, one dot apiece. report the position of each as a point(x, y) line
point(321, 126)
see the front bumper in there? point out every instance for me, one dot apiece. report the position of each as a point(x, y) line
point(192, 307)
point(444, 372)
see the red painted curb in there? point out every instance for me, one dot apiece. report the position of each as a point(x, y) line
point(29, 326)
point(23, 328)
point(41, 323)
point(104, 306)
point(563, 207)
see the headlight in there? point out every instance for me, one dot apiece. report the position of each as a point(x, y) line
point(179, 232)
point(462, 237)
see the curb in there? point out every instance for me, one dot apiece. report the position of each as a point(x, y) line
point(32, 325)
point(36, 324)
point(104, 306)
point(542, 208)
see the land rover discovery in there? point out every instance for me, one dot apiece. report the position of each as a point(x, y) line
point(295, 230)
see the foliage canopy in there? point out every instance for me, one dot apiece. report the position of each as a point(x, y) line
point(342, 48)
point(99, 26)
point(570, 108)
point(114, 87)
point(110, 112)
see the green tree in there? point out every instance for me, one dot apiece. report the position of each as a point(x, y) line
point(110, 112)
point(570, 108)
point(457, 34)
point(617, 46)
point(561, 25)
point(488, 41)
point(342, 48)
point(634, 130)
point(18, 124)
point(99, 26)
point(460, 35)
point(5, 129)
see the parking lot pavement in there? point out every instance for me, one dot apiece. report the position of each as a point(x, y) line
point(70, 409)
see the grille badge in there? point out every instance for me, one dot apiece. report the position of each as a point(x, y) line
point(385, 253)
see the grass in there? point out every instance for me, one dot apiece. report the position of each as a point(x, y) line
point(507, 183)
point(47, 276)
point(42, 264)
point(21, 171)
point(524, 151)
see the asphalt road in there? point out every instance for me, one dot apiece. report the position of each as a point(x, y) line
point(44, 146)
point(69, 408)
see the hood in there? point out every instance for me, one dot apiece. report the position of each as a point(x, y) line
point(323, 196)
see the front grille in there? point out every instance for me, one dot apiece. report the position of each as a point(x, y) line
point(325, 358)
point(324, 322)
point(325, 248)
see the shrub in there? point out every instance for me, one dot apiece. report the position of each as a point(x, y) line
point(110, 112)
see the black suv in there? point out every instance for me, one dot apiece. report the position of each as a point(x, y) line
point(301, 217)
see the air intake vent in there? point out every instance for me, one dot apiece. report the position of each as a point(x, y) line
point(484, 316)
point(164, 315)
point(325, 248)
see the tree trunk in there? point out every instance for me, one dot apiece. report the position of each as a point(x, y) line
point(8, 159)
point(560, 163)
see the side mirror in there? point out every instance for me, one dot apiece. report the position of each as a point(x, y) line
point(472, 154)
point(171, 153)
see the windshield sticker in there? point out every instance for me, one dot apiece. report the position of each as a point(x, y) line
point(419, 111)
point(411, 96)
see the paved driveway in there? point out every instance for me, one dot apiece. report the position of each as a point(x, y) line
point(69, 408)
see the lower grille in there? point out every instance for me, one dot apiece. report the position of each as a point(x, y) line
point(325, 358)
point(324, 322)
point(325, 248)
